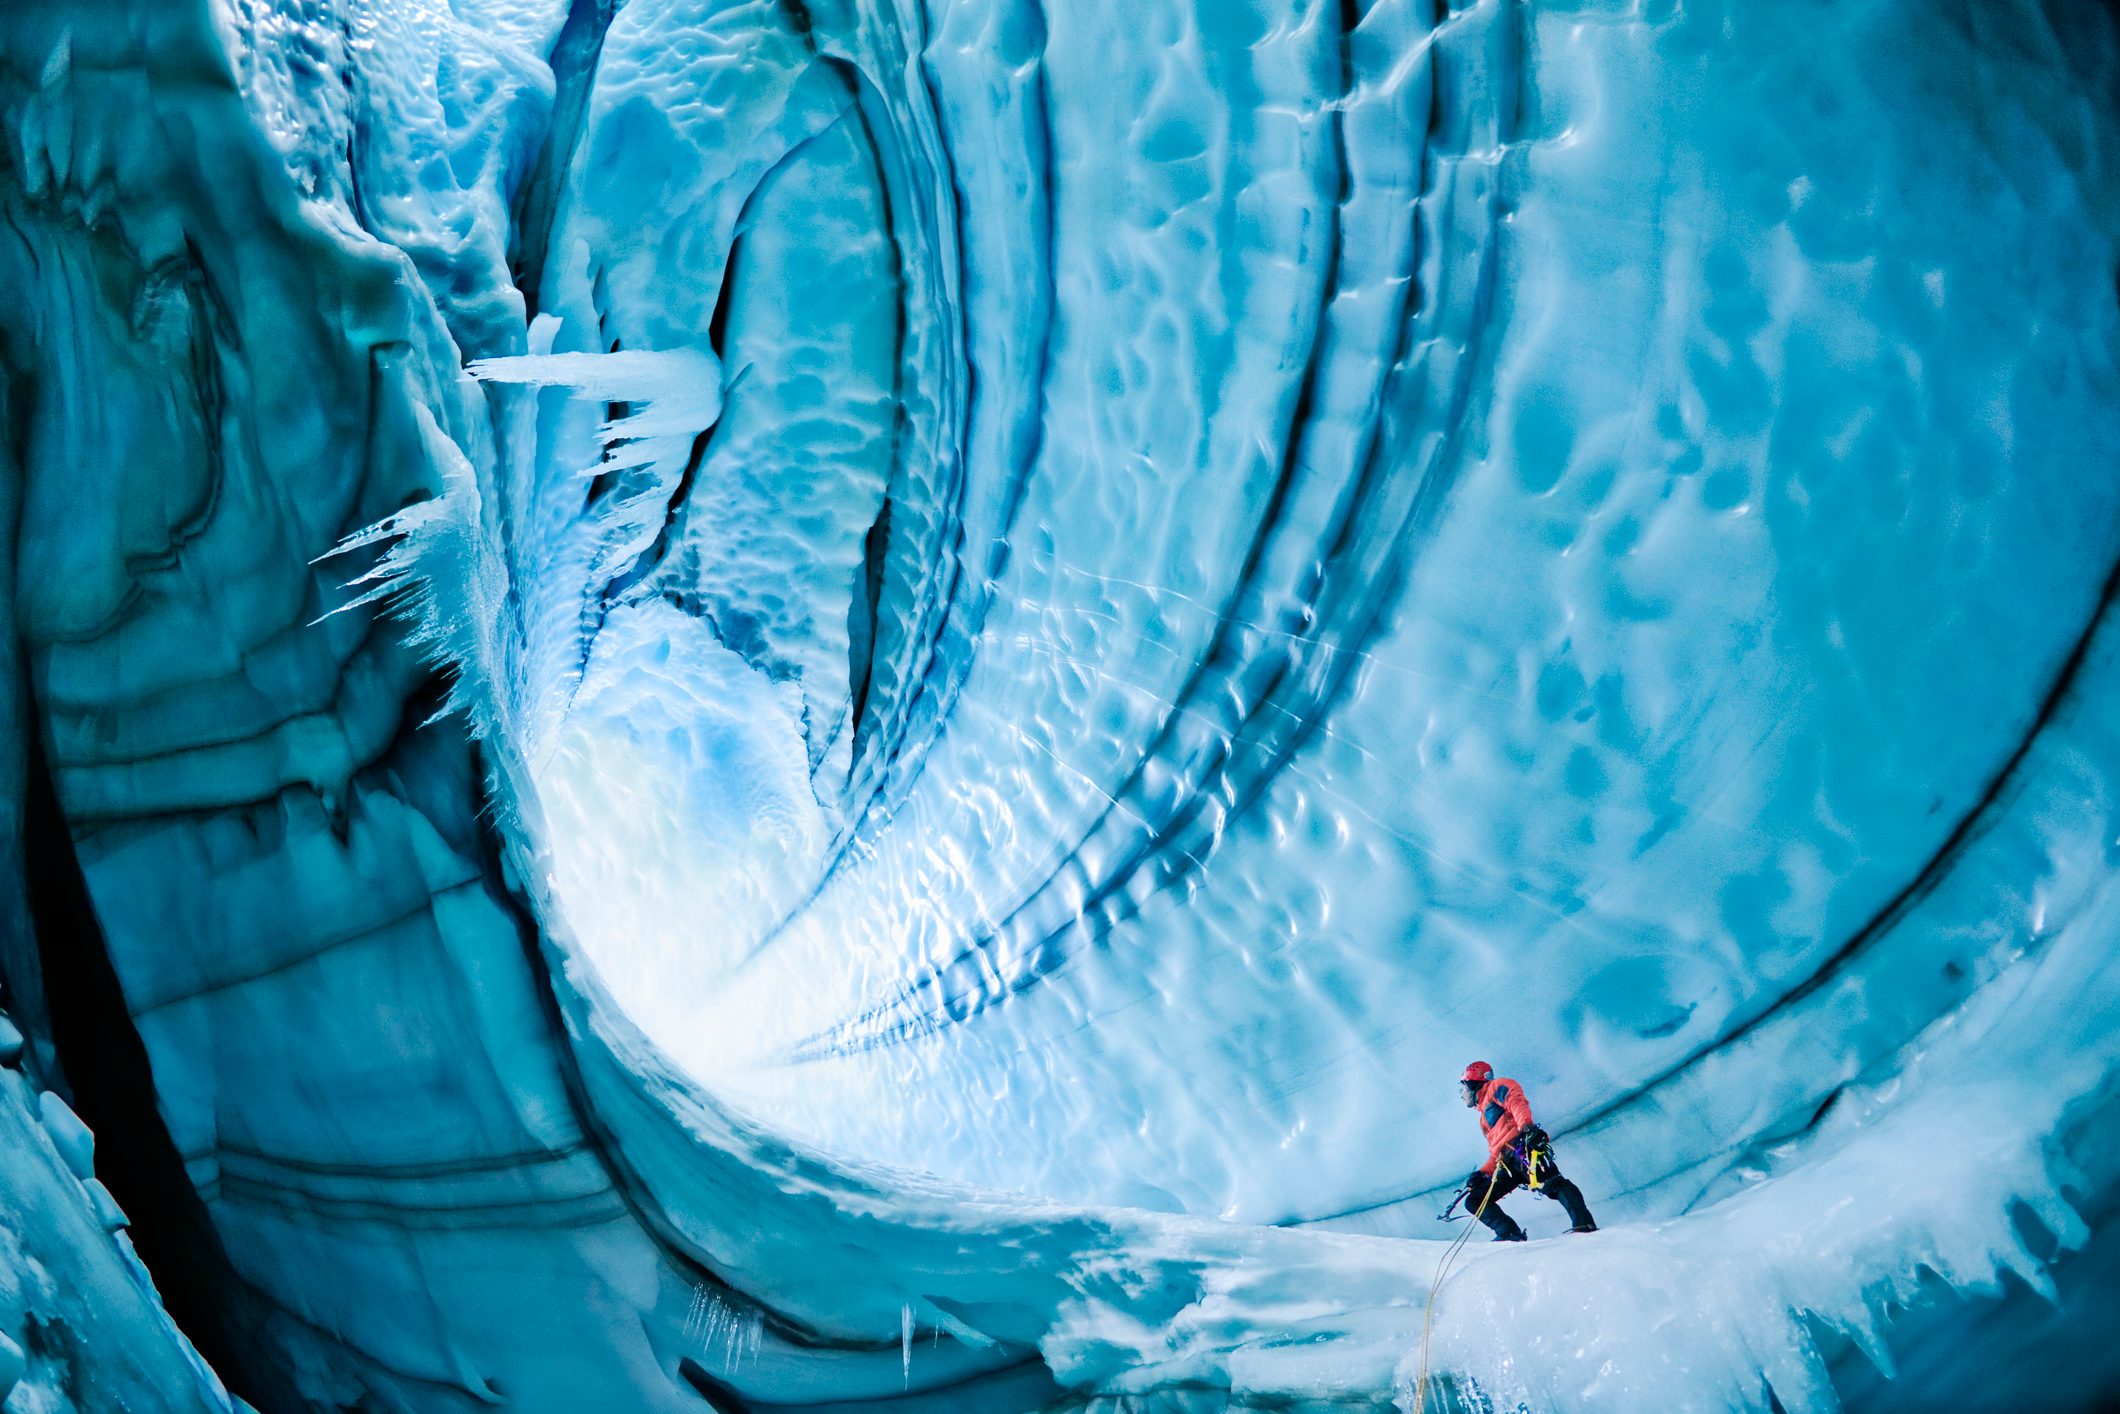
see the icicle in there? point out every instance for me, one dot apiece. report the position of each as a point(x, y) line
point(721, 1331)
point(696, 1314)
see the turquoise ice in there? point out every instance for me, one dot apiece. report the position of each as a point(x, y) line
point(773, 704)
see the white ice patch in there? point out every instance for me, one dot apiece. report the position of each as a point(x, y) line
point(678, 806)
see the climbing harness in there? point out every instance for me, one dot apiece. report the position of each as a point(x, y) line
point(1537, 1152)
point(1420, 1399)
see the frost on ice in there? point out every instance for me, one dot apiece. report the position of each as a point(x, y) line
point(756, 705)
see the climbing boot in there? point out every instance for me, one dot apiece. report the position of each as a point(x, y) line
point(1505, 1230)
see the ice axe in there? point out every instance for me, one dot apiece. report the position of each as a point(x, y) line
point(1445, 1215)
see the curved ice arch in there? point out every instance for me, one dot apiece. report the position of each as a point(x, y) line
point(764, 1266)
point(1649, 814)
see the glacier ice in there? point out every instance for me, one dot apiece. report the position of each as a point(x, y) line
point(765, 704)
point(81, 1324)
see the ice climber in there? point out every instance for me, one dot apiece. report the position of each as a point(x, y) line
point(1518, 1155)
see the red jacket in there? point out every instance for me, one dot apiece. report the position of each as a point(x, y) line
point(1504, 1113)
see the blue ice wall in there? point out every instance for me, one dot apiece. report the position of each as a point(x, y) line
point(787, 705)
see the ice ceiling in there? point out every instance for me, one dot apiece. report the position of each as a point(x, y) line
point(858, 704)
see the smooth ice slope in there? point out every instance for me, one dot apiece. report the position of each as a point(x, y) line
point(1018, 626)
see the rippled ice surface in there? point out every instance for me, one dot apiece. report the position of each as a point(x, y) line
point(1069, 607)
point(1479, 541)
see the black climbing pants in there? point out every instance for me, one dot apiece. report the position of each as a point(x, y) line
point(1510, 1174)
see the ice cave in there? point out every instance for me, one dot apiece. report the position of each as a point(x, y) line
point(857, 706)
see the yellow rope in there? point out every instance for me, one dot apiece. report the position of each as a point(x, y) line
point(1420, 1399)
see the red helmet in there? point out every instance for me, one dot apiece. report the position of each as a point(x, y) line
point(1478, 1073)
